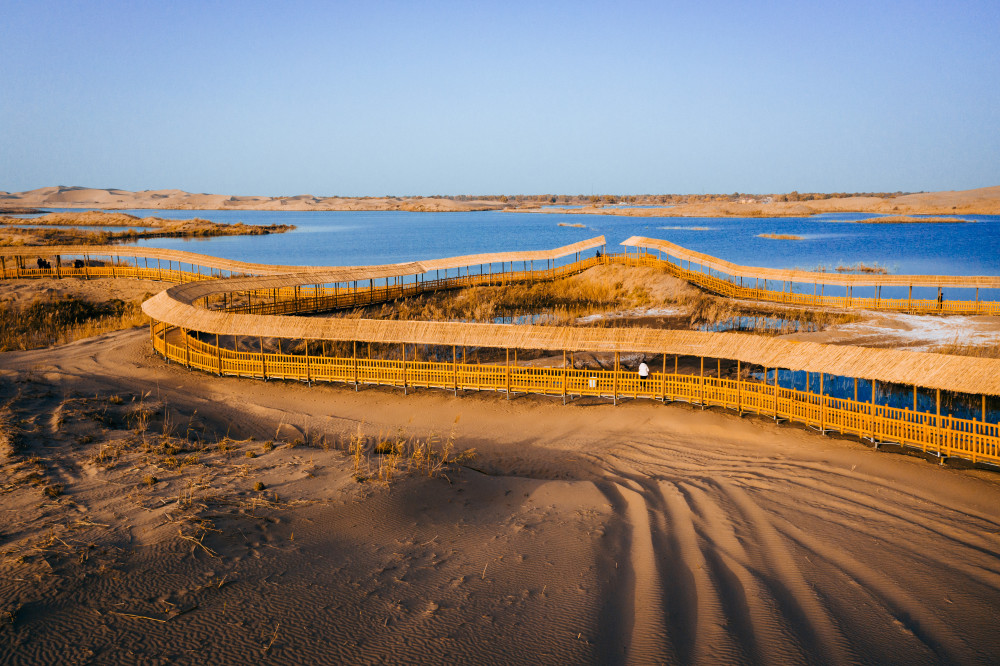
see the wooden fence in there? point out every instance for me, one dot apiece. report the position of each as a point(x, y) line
point(316, 298)
point(945, 436)
point(733, 287)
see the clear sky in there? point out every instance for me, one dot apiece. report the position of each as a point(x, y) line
point(371, 97)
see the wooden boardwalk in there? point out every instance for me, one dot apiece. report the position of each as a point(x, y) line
point(220, 297)
point(945, 436)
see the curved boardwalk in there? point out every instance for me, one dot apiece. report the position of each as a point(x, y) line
point(236, 299)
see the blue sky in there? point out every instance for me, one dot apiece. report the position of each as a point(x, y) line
point(372, 98)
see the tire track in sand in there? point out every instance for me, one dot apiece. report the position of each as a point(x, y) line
point(648, 642)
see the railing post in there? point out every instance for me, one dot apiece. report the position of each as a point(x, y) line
point(775, 392)
point(822, 405)
point(308, 368)
point(187, 349)
point(739, 388)
point(565, 377)
point(454, 367)
point(354, 356)
point(701, 382)
point(507, 370)
point(663, 380)
point(218, 353)
point(614, 384)
point(263, 361)
point(871, 410)
point(403, 345)
point(937, 423)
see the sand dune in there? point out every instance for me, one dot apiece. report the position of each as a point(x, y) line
point(582, 533)
point(982, 201)
point(81, 197)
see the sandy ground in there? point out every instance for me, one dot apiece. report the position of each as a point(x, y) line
point(983, 201)
point(582, 533)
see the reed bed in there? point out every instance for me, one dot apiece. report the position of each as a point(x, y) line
point(22, 236)
point(859, 267)
point(781, 236)
point(49, 321)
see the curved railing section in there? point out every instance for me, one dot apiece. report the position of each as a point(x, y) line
point(759, 284)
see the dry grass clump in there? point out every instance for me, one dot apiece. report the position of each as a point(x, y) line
point(60, 320)
point(383, 459)
point(780, 236)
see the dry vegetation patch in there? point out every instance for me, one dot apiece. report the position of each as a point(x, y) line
point(62, 229)
point(60, 319)
point(781, 236)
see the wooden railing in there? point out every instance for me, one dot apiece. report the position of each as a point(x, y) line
point(174, 275)
point(946, 436)
point(317, 298)
point(732, 289)
point(323, 298)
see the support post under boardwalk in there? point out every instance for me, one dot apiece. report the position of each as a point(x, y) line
point(454, 367)
point(404, 367)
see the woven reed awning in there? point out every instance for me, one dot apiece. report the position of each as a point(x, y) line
point(811, 277)
point(936, 371)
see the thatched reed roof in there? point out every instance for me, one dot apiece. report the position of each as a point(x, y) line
point(935, 371)
point(811, 277)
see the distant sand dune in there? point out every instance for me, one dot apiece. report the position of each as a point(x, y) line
point(982, 201)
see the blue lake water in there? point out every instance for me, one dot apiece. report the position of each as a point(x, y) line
point(373, 237)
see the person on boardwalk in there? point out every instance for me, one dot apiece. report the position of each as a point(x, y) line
point(643, 371)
